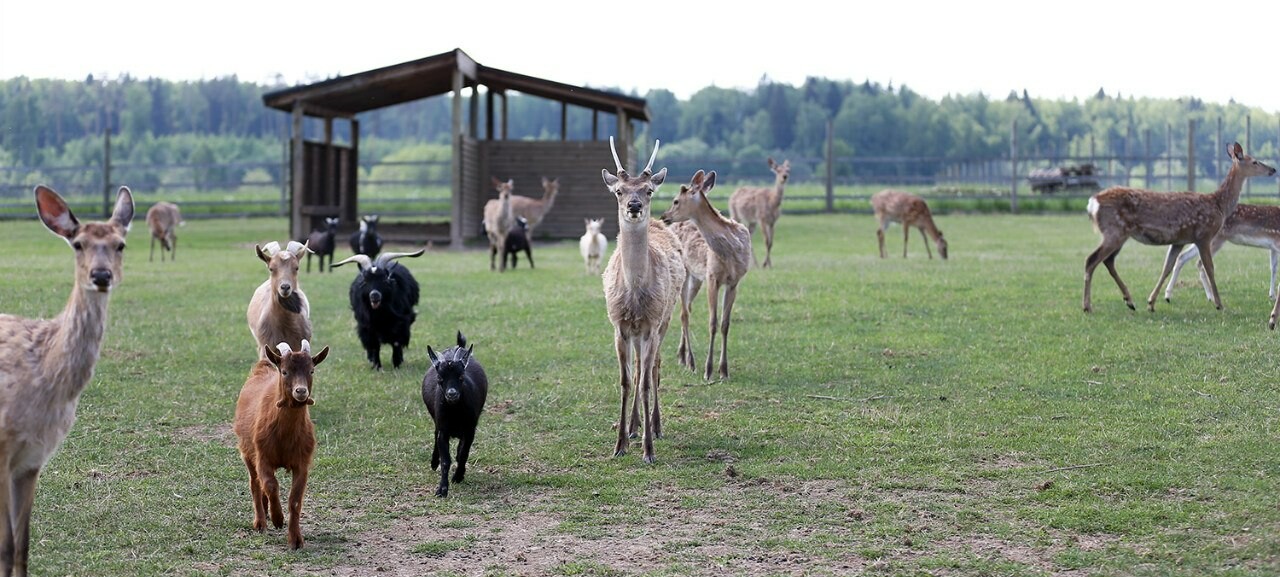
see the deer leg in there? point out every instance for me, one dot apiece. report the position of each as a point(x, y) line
point(880, 240)
point(493, 255)
point(259, 499)
point(685, 353)
point(152, 258)
point(751, 231)
point(656, 420)
point(622, 348)
point(6, 518)
point(442, 445)
point(1170, 258)
point(767, 228)
point(647, 349)
point(633, 430)
point(1105, 253)
point(730, 295)
point(23, 496)
point(906, 235)
point(173, 252)
point(924, 238)
point(1214, 247)
point(1206, 261)
point(1271, 288)
point(713, 322)
point(271, 491)
point(296, 490)
point(1183, 259)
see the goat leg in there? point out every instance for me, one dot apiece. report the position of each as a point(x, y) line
point(299, 486)
point(397, 355)
point(464, 451)
point(442, 446)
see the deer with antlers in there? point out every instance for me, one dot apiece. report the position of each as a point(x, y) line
point(1173, 218)
point(46, 364)
point(892, 206)
point(763, 206)
point(641, 286)
point(717, 251)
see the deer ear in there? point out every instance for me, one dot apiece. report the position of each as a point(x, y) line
point(609, 179)
point(771, 162)
point(55, 213)
point(1235, 151)
point(123, 213)
point(657, 179)
point(710, 181)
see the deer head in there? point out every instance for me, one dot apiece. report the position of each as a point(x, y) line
point(781, 172)
point(283, 265)
point(1247, 164)
point(691, 198)
point(633, 194)
point(99, 246)
point(296, 370)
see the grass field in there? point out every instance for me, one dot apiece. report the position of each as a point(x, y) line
point(895, 417)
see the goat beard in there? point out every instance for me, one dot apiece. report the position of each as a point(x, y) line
point(292, 304)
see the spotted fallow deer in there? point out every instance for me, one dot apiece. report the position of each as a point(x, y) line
point(717, 251)
point(1250, 225)
point(641, 287)
point(892, 206)
point(46, 364)
point(1165, 218)
point(763, 206)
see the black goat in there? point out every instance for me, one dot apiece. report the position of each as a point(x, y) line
point(454, 390)
point(321, 244)
point(517, 240)
point(383, 297)
point(366, 241)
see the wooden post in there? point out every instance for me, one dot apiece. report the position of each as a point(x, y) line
point(831, 171)
point(1191, 155)
point(106, 168)
point(1146, 135)
point(623, 140)
point(564, 121)
point(328, 187)
point(1013, 170)
point(1217, 152)
point(474, 110)
point(1248, 146)
point(1168, 156)
point(488, 114)
point(349, 204)
point(297, 178)
point(455, 214)
point(504, 115)
point(595, 125)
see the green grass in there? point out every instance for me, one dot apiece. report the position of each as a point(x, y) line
point(898, 417)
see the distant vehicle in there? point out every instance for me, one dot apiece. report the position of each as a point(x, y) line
point(1063, 178)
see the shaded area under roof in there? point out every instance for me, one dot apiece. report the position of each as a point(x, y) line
point(346, 96)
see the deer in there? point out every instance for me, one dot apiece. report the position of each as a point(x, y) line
point(1250, 225)
point(642, 283)
point(46, 363)
point(763, 206)
point(1166, 218)
point(163, 219)
point(534, 209)
point(892, 206)
point(717, 251)
point(498, 220)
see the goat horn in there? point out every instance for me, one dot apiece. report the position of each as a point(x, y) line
point(298, 248)
point(648, 168)
point(306, 347)
point(614, 150)
point(390, 256)
point(361, 259)
point(284, 349)
point(271, 248)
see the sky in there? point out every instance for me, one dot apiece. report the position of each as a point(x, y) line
point(1058, 50)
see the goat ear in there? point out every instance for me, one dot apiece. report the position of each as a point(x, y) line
point(272, 355)
point(462, 340)
point(466, 359)
point(262, 255)
point(319, 358)
point(55, 213)
point(122, 216)
point(432, 355)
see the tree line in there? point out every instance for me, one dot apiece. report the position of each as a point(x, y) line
point(49, 122)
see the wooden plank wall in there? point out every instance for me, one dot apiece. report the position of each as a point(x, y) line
point(576, 163)
point(474, 183)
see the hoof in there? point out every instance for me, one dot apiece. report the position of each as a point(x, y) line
point(442, 492)
point(650, 459)
point(1166, 299)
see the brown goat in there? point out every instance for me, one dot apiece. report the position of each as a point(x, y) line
point(46, 364)
point(763, 206)
point(275, 431)
point(279, 311)
point(892, 206)
point(163, 219)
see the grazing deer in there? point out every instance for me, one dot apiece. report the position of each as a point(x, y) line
point(163, 219)
point(498, 220)
point(1165, 218)
point(1250, 225)
point(46, 364)
point(717, 251)
point(641, 286)
point(751, 206)
point(910, 210)
point(535, 209)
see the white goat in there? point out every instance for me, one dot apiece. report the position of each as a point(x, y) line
point(593, 245)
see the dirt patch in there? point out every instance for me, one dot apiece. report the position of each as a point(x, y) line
point(219, 434)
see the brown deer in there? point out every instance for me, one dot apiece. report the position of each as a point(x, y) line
point(641, 286)
point(534, 209)
point(717, 251)
point(1250, 225)
point(46, 364)
point(751, 206)
point(498, 219)
point(163, 219)
point(1165, 218)
point(892, 206)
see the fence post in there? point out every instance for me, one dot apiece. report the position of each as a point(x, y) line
point(831, 191)
point(1217, 150)
point(1248, 145)
point(1013, 171)
point(1191, 154)
point(106, 169)
point(1147, 156)
point(1168, 156)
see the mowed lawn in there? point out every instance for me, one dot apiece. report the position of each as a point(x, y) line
point(896, 417)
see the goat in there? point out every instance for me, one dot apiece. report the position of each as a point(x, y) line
point(454, 390)
point(365, 241)
point(516, 241)
point(274, 428)
point(279, 311)
point(383, 298)
point(717, 251)
point(892, 206)
point(46, 364)
point(593, 245)
point(641, 287)
point(535, 209)
point(761, 205)
point(163, 218)
point(1250, 225)
point(321, 243)
point(498, 220)
point(1159, 218)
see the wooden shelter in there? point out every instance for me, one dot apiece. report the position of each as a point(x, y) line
point(323, 174)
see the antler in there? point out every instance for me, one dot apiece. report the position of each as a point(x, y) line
point(614, 150)
point(648, 168)
point(361, 259)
